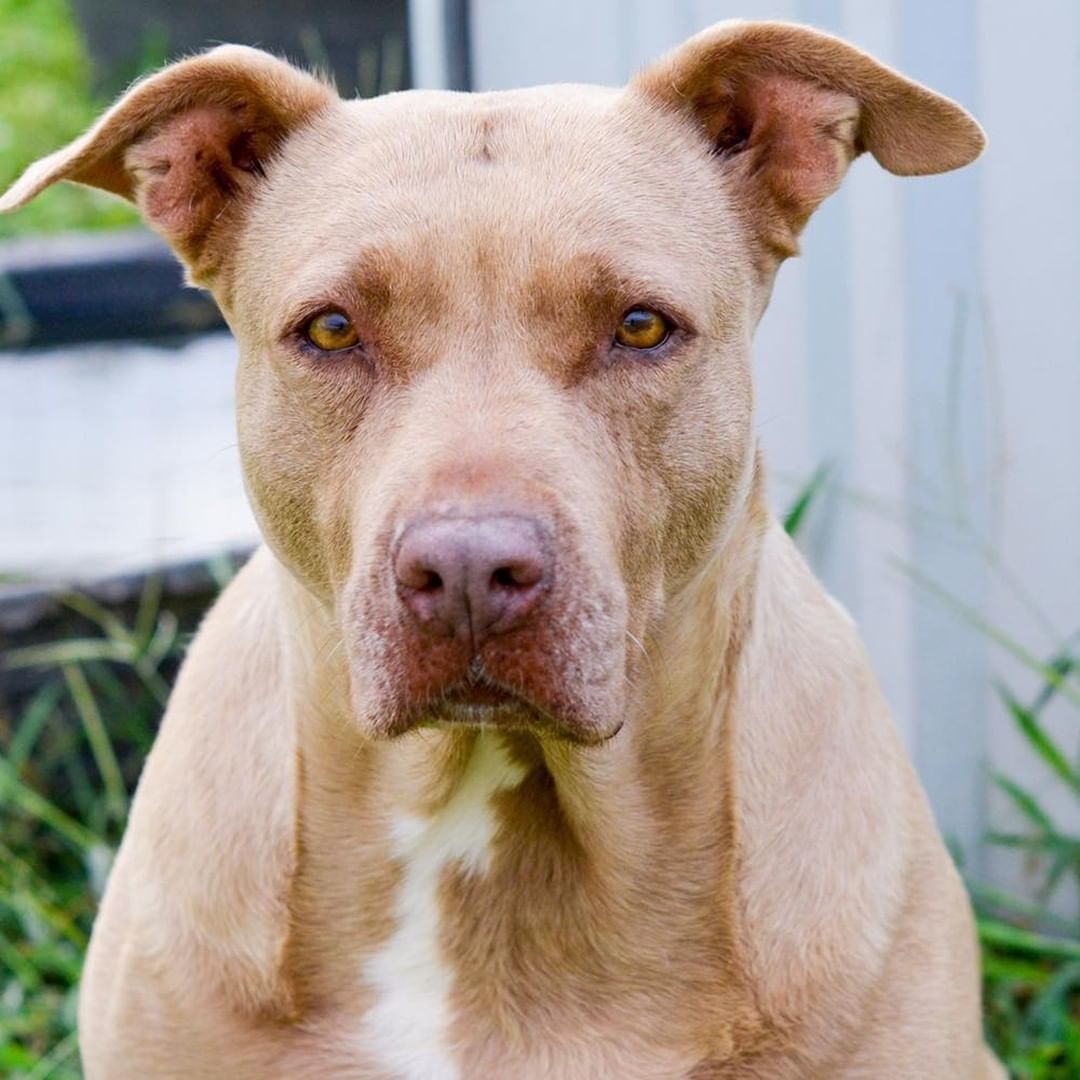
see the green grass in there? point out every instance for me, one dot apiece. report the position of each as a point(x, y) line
point(65, 780)
point(45, 101)
point(1031, 958)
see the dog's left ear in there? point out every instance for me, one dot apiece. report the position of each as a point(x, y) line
point(787, 109)
point(189, 144)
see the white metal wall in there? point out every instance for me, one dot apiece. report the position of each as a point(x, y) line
point(117, 457)
point(927, 345)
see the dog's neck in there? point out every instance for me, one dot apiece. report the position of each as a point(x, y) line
point(633, 839)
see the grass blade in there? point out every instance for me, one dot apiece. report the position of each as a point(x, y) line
point(1058, 868)
point(1003, 936)
point(1018, 907)
point(112, 626)
point(793, 519)
point(34, 718)
point(1026, 803)
point(61, 1052)
point(21, 795)
point(1040, 741)
point(1049, 674)
point(1038, 845)
point(22, 881)
point(23, 969)
point(74, 651)
point(98, 738)
point(1064, 664)
point(149, 607)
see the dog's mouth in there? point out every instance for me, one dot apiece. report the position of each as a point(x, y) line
point(480, 696)
point(480, 700)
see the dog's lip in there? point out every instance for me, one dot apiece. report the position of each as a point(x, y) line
point(481, 693)
point(480, 700)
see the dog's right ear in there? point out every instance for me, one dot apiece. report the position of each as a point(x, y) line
point(188, 145)
point(786, 109)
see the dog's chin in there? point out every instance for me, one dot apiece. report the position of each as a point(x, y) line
point(483, 704)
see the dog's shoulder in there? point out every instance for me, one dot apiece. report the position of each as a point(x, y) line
point(212, 828)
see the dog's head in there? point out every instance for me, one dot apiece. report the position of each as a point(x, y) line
point(494, 394)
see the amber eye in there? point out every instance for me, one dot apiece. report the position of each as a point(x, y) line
point(642, 328)
point(331, 331)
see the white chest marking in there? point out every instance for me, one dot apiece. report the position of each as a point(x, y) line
point(408, 1024)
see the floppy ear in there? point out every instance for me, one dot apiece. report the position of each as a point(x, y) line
point(787, 109)
point(188, 145)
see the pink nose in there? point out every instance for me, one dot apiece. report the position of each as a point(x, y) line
point(472, 578)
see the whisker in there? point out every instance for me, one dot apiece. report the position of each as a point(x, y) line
point(644, 652)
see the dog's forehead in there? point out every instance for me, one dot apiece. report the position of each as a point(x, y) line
point(542, 174)
point(550, 128)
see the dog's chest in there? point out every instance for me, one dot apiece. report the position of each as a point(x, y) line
point(492, 965)
point(408, 1027)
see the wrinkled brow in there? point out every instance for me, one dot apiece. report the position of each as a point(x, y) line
point(594, 289)
point(375, 283)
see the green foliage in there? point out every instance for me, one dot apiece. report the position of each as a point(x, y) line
point(65, 780)
point(1031, 958)
point(45, 101)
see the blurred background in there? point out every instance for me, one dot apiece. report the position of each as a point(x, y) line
point(918, 381)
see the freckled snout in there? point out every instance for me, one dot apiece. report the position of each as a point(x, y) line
point(473, 578)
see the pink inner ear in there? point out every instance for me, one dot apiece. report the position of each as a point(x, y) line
point(803, 137)
point(189, 169)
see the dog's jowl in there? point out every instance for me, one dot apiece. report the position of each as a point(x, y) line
point(528, 747)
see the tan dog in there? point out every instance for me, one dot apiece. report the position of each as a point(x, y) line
point(530, 748)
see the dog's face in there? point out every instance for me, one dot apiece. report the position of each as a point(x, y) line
point(494, 396)
point(543, 306)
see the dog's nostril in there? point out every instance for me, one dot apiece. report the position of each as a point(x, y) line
point(505, 578)
point(431, 583)
point(416, 575)
point(516, 576)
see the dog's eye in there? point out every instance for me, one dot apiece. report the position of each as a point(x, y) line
point(331, 331)
point(642, 329)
